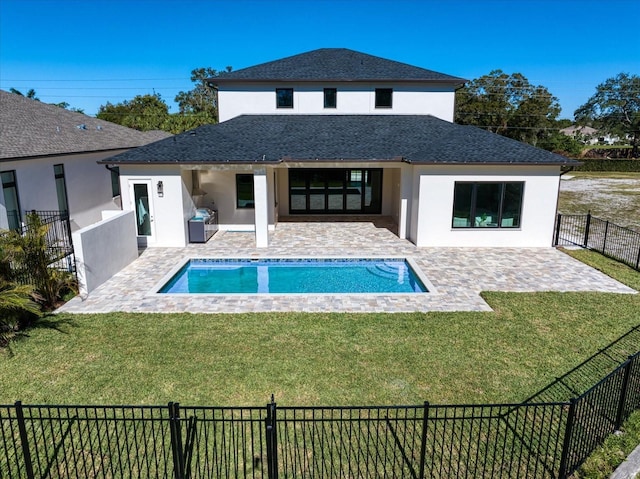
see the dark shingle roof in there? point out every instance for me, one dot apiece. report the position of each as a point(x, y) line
point(335, 64)
point(311, 138)
point(31, 128)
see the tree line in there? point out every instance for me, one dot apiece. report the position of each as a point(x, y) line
point(506, 104)
point(511, 106)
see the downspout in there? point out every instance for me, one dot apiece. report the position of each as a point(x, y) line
point(555, 220)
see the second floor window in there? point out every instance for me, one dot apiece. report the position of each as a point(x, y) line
point(330, 97)
point(284, 97)
point(384, 97)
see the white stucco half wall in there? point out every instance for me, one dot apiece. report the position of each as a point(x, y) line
point(104, 248)
point(432, 210)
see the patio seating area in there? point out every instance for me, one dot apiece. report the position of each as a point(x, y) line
point(458, 274)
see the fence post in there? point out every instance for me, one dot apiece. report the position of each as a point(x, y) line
point(423, 447)
point(22, 427)
point(272, 450)
point(586, 230)
point(604, 242)
point(558, 223)
point(176, 440)
point(566, 443)
point(623, 393)
point(638, 260)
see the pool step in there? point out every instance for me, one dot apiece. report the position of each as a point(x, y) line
point(386, 270)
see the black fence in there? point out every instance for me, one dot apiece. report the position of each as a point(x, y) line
point(533, 440)
point(617, 242)
point(60, 254)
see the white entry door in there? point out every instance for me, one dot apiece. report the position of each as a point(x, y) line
point(142, 204)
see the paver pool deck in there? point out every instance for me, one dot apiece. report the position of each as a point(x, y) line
point(458, 274)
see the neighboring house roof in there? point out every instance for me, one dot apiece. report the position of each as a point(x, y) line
point(581, 130)
point(334, 64)
point(255, 139)
point(31, 128)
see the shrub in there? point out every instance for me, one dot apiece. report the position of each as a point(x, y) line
point(17, 307)
point(33, 262)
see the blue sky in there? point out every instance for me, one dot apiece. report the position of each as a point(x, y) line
point(88, 52)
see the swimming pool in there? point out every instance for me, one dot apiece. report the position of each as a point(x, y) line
point(289, 275)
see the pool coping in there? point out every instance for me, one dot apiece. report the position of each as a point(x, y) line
point(155, 290)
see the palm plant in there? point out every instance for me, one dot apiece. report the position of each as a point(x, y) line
point(16, 304)
point(32, 259)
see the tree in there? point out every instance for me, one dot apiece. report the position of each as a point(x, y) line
point(508, 105)
point(562, 144)
point(615, 109)
point(202, 99)
point(31, 94)
point(198, 106)
point(66, 106)
point(143, 112)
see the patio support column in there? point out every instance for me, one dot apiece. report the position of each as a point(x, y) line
point(261, 203)
point(405, 201)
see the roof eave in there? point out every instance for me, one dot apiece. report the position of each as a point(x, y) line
point(189, 162)
point(495, 163)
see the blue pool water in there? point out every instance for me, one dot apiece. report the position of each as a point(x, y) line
point(295, 276)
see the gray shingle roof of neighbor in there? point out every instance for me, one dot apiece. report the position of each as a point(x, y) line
point(335, 64)
point(30, 128)
point(255, 139)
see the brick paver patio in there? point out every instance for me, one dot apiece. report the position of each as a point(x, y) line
point(458, 274)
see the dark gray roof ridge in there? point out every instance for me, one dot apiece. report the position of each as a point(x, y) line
point(334, 64)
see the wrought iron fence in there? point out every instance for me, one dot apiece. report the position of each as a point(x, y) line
point(533, 440)
point(622, 244)
point(60, 254)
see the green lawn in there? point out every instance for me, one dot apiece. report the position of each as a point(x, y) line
point(317, 359)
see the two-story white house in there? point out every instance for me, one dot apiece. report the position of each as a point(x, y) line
point(338, 132)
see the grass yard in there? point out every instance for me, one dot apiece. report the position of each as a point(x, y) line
point(318, 359)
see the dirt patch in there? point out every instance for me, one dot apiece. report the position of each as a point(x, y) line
point(610, 198)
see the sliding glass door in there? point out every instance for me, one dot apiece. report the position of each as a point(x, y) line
point(335, 191)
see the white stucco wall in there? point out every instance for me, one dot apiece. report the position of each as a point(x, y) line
point(104, 248)
point(221, 189)
point(433, 206)
point(352, 99)
point(169, 212)
point(88, 186)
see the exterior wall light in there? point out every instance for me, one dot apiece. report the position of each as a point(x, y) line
point(160, 189)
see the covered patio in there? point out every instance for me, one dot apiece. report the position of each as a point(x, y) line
point(458, 274)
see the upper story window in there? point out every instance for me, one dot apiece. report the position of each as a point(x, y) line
point(284, 97)
point(384, 97)
point(330, 97)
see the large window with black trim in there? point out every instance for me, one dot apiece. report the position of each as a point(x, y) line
point(487, 204)
point(244, 191)
point(335, 191)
